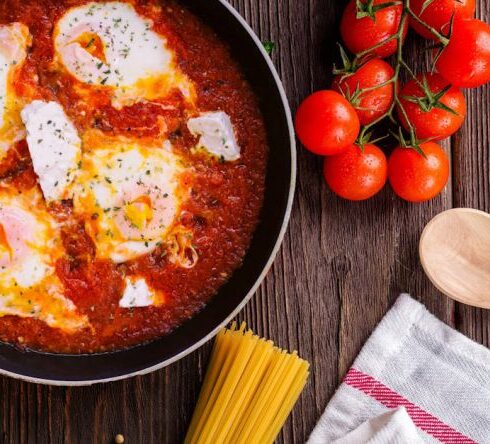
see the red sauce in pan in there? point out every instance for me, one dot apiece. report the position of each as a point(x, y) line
point(222, 211)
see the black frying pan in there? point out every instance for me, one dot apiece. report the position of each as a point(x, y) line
point(280, 182)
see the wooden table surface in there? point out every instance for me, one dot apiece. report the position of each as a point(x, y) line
point(341, 267)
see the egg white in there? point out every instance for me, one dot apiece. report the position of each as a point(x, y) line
point(54, 146)
point(137, 293)
point(216, 135)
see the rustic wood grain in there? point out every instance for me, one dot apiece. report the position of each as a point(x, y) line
point(341, 267)
point(472, 182)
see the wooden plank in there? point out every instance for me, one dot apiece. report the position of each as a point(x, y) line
point(472, 182)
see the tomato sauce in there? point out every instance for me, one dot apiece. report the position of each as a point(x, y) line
point(222, 210)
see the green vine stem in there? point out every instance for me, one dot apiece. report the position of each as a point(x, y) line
point(438, 35)
point(399, 64)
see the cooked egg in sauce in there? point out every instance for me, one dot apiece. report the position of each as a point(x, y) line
point(130, 196)
point(132, 165)
point(29, 248)
point(14, 41)
point(109, 45)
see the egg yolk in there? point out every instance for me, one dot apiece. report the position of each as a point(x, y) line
point(4, 244)
point(139, 212)
point(93, 44)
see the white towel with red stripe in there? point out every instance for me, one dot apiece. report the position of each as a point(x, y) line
point(415, 377)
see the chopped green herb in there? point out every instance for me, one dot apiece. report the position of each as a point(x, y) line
point(269, 46)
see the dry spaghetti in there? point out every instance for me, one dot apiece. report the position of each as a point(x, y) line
point(249, 390)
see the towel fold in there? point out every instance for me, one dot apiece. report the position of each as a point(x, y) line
point(412, 360)
point(393, 427)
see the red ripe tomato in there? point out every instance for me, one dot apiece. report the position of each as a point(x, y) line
point(363, 33)
point(465, 61)
point(356, 174)
point(369, 105)
point(430, 119)
point(416, 178)
point(438, 14)
point(326, 123)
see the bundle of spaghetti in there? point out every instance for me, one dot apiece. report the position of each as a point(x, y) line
point(249, 390)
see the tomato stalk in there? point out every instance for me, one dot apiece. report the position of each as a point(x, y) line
point(399, 64)
point(444, 40)
point(369, 9)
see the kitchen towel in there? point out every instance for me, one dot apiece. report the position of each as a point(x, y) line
point(414, 364)
point(394, 426)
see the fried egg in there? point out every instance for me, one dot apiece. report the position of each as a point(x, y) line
point(110, 45)
point(130, 196)
point(55, 147)
point(29, 248)
point(14, 41)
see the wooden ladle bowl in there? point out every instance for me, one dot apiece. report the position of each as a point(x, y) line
point(455, 253)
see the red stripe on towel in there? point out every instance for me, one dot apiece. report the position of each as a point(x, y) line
point(422, 419)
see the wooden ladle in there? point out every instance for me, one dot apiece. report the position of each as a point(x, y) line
point(455, 253)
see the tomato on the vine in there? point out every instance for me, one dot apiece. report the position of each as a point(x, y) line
point(326, 123)
point(438, 14)
point(377, 23)
point(465, 61)
point(417, 178)
point(356, 174)
point(434, 108)
point(376, 101)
